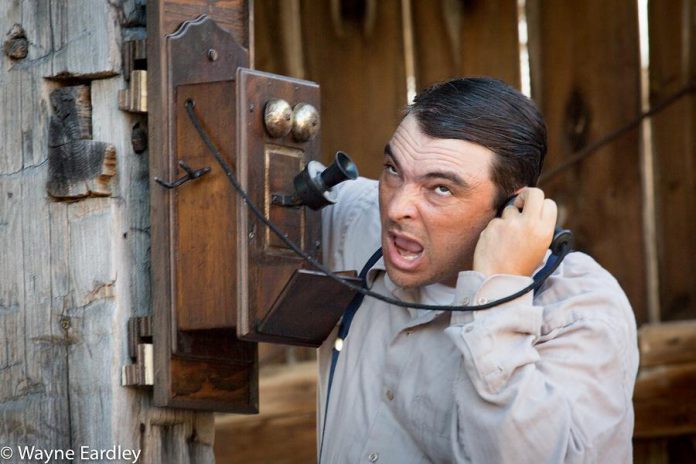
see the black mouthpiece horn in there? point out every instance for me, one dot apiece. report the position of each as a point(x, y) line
point(313, 185)
point(343, 168)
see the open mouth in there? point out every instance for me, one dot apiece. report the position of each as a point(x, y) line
point(404, 252)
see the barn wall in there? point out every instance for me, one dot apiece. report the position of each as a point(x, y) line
point(74, 270)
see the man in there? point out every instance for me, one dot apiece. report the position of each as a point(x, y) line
point(547, 377)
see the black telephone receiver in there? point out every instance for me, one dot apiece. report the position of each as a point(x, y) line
point(562, 238)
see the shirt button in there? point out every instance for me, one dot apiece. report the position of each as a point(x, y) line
point(468, 329)
point(373, 457)
point(482, 301)
point(390, 395)
point(466, 300)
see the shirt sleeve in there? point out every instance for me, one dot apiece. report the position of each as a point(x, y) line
point(351, 227)
point(552, 376)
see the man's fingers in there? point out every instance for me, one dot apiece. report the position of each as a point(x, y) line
point(549, 212)
point(531, 201)
point(510, 211)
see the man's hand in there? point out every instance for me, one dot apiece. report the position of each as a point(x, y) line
point(517, 242)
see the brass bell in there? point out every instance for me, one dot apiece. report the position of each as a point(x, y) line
point(305, 123)
point(277, 117)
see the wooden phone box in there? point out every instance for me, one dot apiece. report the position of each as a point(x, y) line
point(221, 279)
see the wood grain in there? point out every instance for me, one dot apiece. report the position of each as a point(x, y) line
point(667, 343)
point(278, 46)
point(279, 49)
point(78, 166)
point(41, 286)
point(672, 65)
point(194, 239)
point(454, 38)
point(231, 15)
point(205, 229)
point(268, 165)
point(665, 401)
point(588, 56)
point(73, 273)
point(285, 429)
point(360, 69)
point(82, 40)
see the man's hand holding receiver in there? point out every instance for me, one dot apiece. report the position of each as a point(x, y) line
point(516, 242)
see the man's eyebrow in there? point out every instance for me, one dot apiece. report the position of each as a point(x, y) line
point(450, 176)
point(388, 152)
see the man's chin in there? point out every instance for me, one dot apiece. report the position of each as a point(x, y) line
point(410, 280)
point(406, 280)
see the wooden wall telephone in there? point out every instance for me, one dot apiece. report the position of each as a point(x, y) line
point(220, 279)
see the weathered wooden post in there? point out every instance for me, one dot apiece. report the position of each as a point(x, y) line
point(75, 235)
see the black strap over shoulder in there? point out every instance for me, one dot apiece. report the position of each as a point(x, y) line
point(343, 329)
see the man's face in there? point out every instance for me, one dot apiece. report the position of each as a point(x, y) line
point(435, 198)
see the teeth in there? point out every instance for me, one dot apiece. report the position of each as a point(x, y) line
point(408, 256)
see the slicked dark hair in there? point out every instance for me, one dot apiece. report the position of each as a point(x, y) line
point(490, 113)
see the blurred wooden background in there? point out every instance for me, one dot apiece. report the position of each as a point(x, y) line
point(628, 202)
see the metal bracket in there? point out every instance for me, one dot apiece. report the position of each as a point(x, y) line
point(283, 199)
point(191, 174)
point(134, 98)
point(141, 372)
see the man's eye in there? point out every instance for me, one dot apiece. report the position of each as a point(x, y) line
point(442, 190)
point(390, 168)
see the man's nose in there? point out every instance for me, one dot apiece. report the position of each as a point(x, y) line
point(404, 203)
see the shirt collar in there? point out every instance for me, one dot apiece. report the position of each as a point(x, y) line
point(410, 296)
point(374, 271)
point(418, 317)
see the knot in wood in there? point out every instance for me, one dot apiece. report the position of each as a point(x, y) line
point(65, 323)
point(16, 46)
point(139, 138)
point(577, 120)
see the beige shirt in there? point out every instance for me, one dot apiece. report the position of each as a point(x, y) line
point(543, 378)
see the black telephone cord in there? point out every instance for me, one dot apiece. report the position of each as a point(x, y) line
point(190, 105)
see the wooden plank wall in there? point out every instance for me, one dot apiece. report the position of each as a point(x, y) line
point(588, 85)
point(667, 372)
point(73, 272)
point(672, 31)
point(357, 57)
point(466, 38)
point(58, 266)
point(673, 65)
point(285, 429)
point(587, 81)
point(585, 73)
